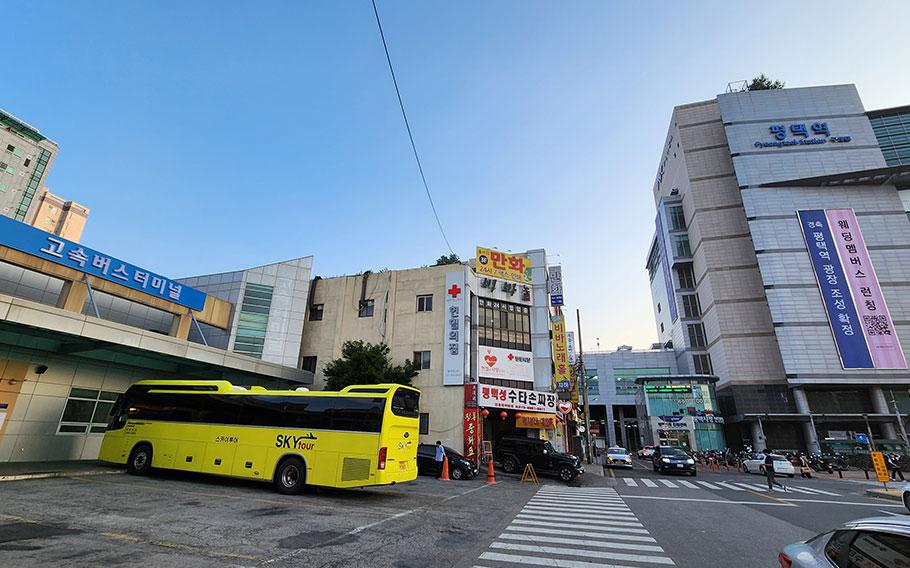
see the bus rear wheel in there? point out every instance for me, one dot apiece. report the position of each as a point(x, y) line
point(140, 462)
point(290, 476)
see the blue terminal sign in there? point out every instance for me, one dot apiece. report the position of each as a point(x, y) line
point(800, 136)
point(47, 246)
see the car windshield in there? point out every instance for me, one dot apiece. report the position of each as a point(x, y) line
point(616, 450)
point(673, 452)
point(549, 447)
point(779, 458)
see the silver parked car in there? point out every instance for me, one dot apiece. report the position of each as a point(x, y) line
point(874, 541)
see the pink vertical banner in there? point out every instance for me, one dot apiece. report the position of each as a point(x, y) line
point(878, 328)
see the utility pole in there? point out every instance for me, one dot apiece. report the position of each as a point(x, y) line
point(584, 389)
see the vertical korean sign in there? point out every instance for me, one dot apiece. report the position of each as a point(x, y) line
point(472, 434)
point(874, 317)
point(561, 376)
point(453, 363)
point(554, 285)
point(860, 321)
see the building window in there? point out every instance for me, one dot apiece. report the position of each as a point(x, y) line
point(505, 325)
point(10, 147)
point(422, 359)
point(702, 364)
point(309, 363)
point(366, 309)
point(425, 303)
point(253, 320)
point(26, 163)
point(686, 276)
point(697, 335)
point(87, 410)
point(677, 219)
point(681, 246)
point(424, 426)
point(691, 306)
point(2, 187)
point(316, 312)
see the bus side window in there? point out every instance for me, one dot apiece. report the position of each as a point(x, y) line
point(221, 409)
point(307, 412)
point(358, 414)
point(262, 410)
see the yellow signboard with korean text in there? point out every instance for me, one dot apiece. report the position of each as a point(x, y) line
point(504, 266)
point(881, 470)
point(562, 378)
point(545, 421)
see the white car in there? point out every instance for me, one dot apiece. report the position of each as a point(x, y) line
point(618, 457)
point(782, 465)
point(876, 541)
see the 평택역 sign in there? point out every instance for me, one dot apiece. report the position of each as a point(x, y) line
point(52, 248)
point(513, 267)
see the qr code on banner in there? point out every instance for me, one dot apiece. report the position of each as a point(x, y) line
point(877, 325)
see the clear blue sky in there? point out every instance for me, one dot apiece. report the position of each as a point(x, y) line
point(213, 136)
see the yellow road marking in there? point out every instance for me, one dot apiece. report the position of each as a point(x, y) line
point(767, 496)
point(612, 473)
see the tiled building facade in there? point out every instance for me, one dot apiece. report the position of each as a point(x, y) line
point(748, 304)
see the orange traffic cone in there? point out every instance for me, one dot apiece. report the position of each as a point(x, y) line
point(490, 477)
point(444, 476)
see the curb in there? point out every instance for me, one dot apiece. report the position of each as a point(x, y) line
point(882, 494)
point(55, 474)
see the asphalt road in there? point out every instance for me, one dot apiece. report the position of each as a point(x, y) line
point(633, 518)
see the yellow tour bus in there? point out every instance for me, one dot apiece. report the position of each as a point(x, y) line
point(359, 436)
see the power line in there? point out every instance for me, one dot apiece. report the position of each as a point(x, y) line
point(407, 125)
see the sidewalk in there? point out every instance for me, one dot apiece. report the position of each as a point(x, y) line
point(890, 494)
point(17, 471)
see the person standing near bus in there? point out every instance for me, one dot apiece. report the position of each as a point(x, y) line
point(440, 457)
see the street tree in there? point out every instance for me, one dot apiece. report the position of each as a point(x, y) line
point(764, 83)
point(447, 259)
point(364, 363)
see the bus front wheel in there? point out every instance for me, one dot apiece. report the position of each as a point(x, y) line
point(290, 477)
point(140, 460)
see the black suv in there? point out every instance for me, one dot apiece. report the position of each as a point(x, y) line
point(460, 467)
point(666, 459)
point(514, 452)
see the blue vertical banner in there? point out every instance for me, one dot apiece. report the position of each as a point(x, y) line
point(663, 248)
point(835, 290)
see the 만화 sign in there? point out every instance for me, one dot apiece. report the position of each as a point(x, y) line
point(863, 330)
point(513, 267)
point(52, 248)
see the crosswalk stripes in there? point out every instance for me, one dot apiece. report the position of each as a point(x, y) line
point(605, 534)
point(730, 485)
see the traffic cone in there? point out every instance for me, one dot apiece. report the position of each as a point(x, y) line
point(444, 476)
point(490, 477)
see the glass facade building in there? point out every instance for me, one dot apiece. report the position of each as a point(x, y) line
point(892, 129)
point(682, 412)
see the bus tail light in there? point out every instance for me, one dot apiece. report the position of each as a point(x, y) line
point(382, 455)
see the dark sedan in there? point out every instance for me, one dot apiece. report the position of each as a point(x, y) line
point(460, 467)
point(666, 459)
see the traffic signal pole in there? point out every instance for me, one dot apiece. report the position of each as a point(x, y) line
point(589, 441)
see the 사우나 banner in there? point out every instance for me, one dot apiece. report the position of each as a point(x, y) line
point(860, 321)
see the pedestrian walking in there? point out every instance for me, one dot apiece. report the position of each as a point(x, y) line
point(440, 457)
point(769, 471)
point(804, 470)
point(894, 465)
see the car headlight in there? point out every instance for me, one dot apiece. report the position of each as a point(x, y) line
point(665, 460)
point(690, 461)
